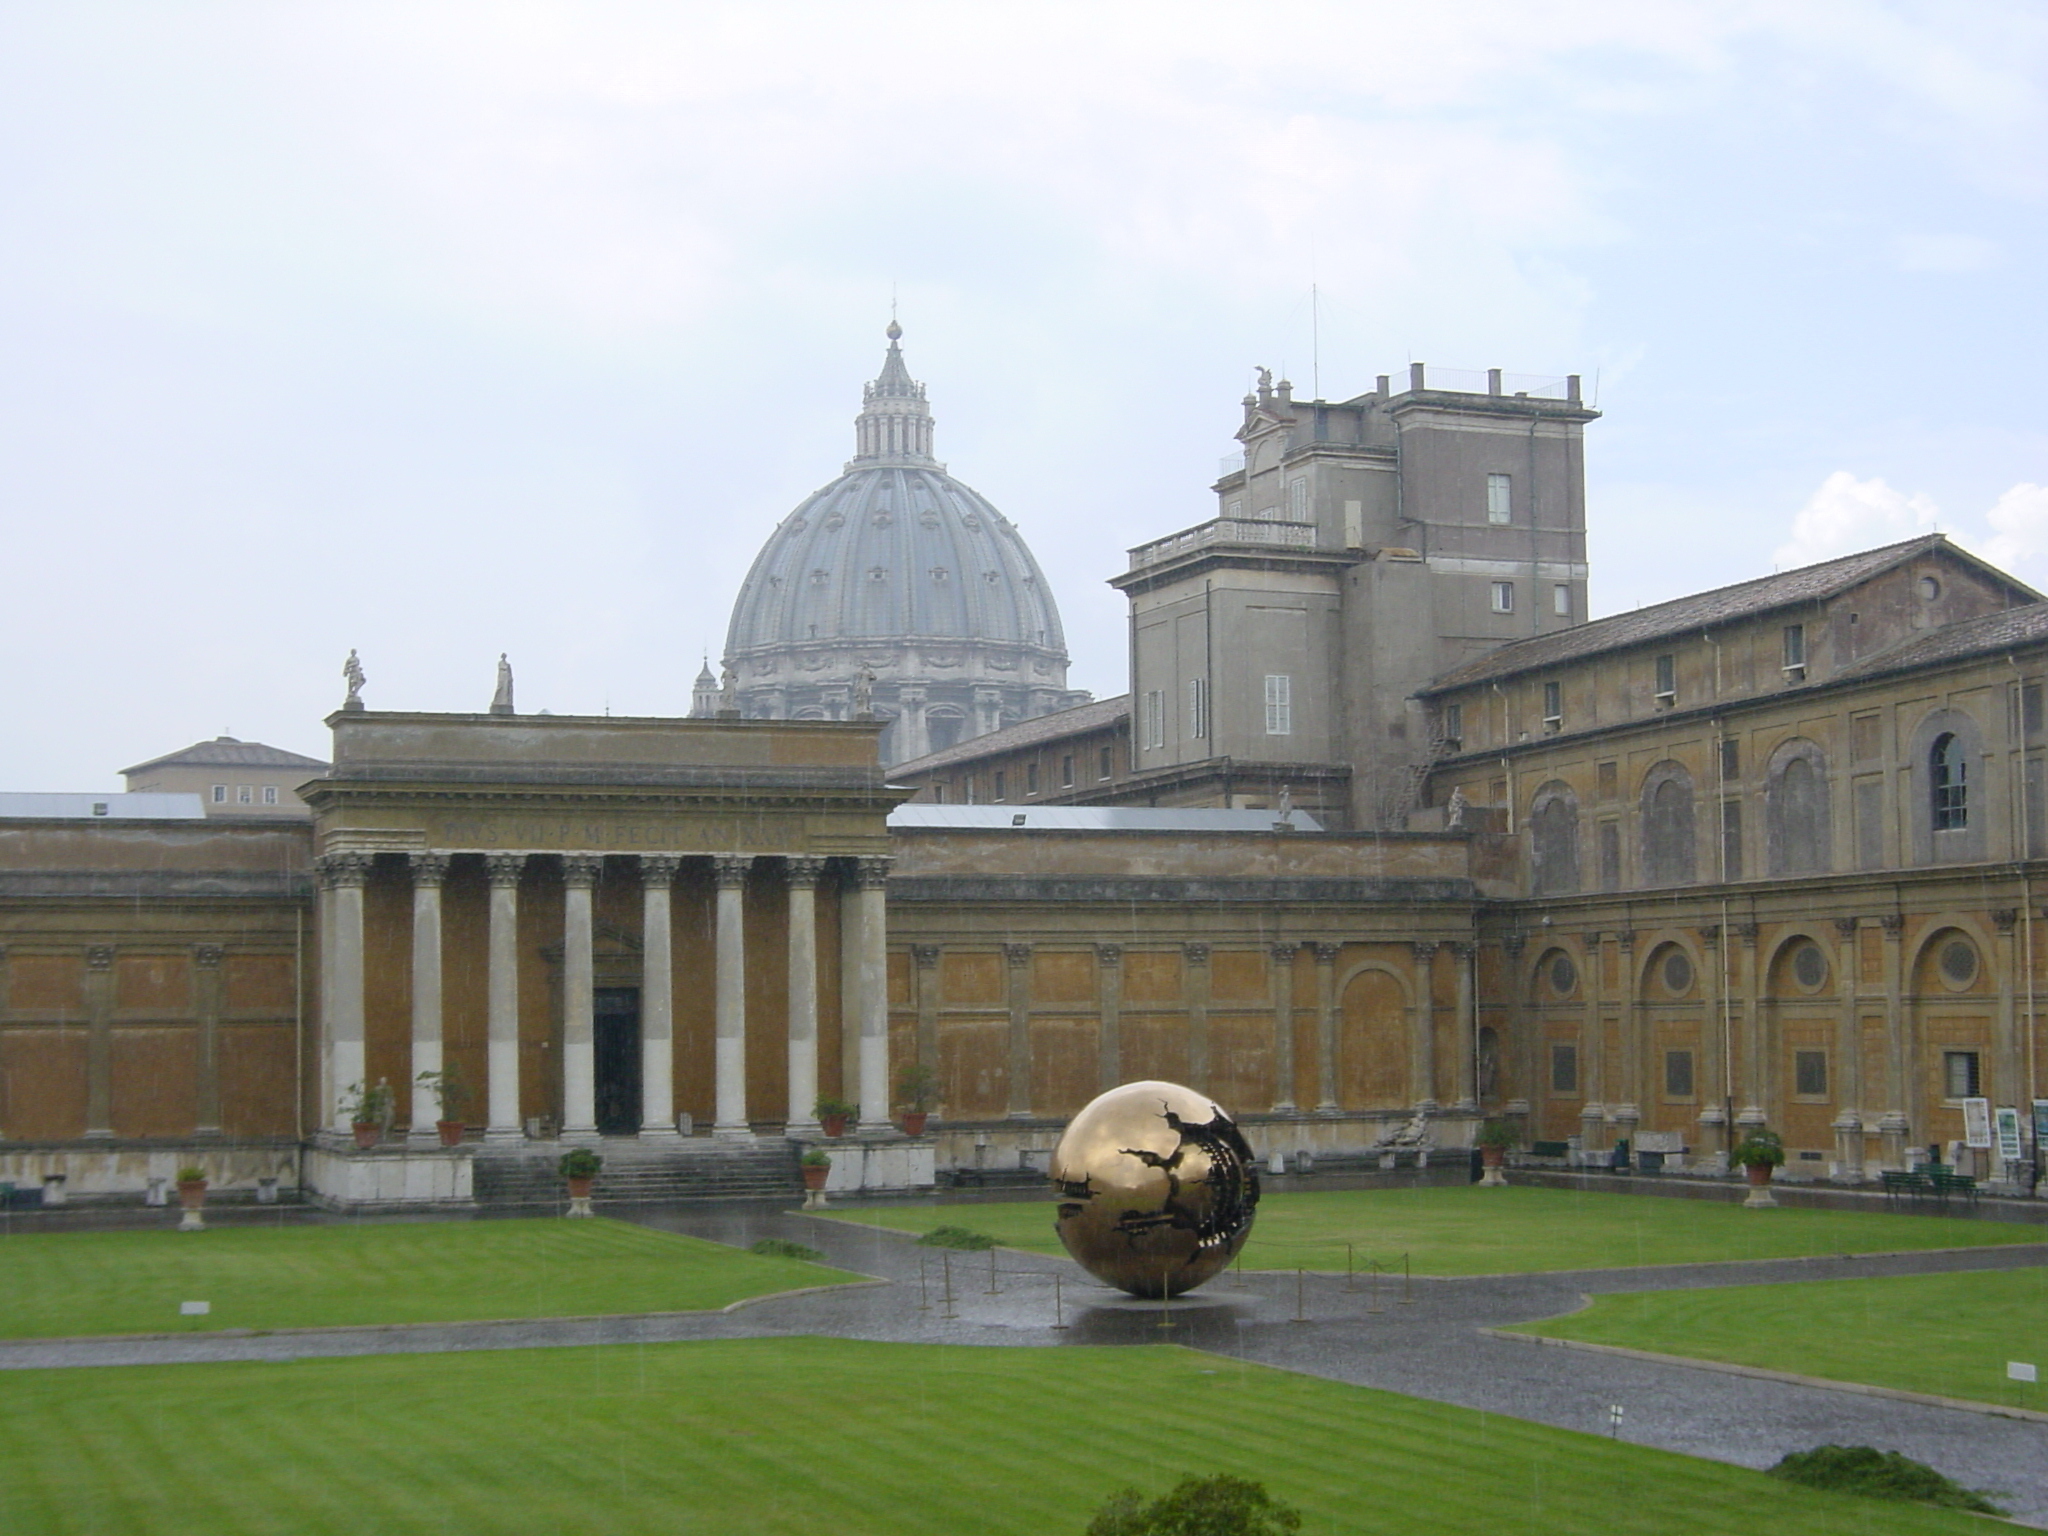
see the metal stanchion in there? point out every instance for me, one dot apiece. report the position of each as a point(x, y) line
point(1059, 1316)
point(947, 1260)
point(1348, 1264)
point(992, 1290)
point(1372, 1303)
point(1407, 1281)
point(924, 1298)
point(1165, 1296)
point(1301, 1295)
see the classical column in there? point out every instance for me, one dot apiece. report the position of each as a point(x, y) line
point(1714, 1089)
point(803, 990)
point(206, 995)
point(99, 1041)
point(579, 978)
point(1282, 956)
point(429, 870)
point(1467, 1100)
point(1624, 1097)
point(1848, 1125)
point(1109, 999)
point(1521, 1042)
point(1195, 992)
point(911, 738)
point(1422, 1031)
point(1895, 1124)
point(502, 1008)
point(871, 906)
point(730, 992)
point(1018, 959)
point(1752, 1095)
point(343, 875)
point(1592, 1057)
point(657, 995)
point(1326, 1028)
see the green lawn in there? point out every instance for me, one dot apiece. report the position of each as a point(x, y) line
point(409, 1272)
point(1465, 1230)
point(1946, 1334)
point(793, 1437)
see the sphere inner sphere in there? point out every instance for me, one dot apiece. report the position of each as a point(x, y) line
point(1157, 1188)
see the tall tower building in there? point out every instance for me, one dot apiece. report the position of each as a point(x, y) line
point(898, 584)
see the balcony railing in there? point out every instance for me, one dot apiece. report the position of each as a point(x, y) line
point(1225, 530)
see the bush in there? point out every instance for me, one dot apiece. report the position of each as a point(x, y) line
point(1197, 1506)
point(1759, 1149)
point(1880, 1474)
point(957, 1237)
point(579, 1163)
point(783, 1248)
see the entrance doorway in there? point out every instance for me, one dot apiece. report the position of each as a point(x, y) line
point(616, 1020)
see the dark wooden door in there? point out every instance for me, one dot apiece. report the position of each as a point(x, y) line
point(616, 1013)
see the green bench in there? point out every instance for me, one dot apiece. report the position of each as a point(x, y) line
point(1914, 1185)
point(1948, 1183)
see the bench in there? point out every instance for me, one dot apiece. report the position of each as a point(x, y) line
point(1914, 1185)
point(1947, 1183)
point(1550, 1149)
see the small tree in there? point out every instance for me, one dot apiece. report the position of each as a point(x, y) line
point(1197, 1506)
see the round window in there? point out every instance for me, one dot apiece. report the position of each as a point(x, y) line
point(1677, 972)
point(1930, 588)
point(1563, 975)
point(1959, 963)
point(1810, 967)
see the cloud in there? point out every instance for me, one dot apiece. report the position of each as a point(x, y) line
point(1946, 253)
point(2019, 526)
point(1847, 514)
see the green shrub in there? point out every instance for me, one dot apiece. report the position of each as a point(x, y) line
point(1759, 1148)
point(816, 1158)
point(579, 1163)
point(957, 1237)
point(783, 1248)
point(1197, 1506)
point(1881, 1474)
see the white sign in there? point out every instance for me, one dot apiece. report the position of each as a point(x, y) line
point(2017, 1370)
point(1977, 1123)
point(2008, 1134)
point(194, 1308)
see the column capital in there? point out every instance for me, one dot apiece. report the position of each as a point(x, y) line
point(804, 868)
point(1462, 950)
point(1893, 924)
point(2004, 918)
point(926, 956)
point(1513, 945)
point(207, 956)
point(729, 870)
point(338, 870)
point(658, 869)
point(428, 868)
point(1625, 937)
point(99, 957)
point(871, 871)
point(580, 870)
point(504, 869)
point(1710, 936)
point(1017, 954)
point(1283, 954)
point(1326, 953)
point(1746, 932)
point(1424, 951)
point(1111, 955)
point(1846, 927)
point(1195, 954)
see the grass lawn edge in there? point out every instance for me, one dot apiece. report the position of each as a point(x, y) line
point(1514, 1334)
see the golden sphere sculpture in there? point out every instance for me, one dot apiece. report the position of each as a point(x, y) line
point(1156, 1188)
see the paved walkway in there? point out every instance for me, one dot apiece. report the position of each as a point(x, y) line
point(1432, 1344)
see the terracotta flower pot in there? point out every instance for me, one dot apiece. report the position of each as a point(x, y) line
point(579, 1189)
point(451, 1132)
point(368, 1133)
point(833, 1125)
point(192, 1194)
point(1759, 1173)
point(1492, 1157)
point(814, 1176)
point(913, 1121)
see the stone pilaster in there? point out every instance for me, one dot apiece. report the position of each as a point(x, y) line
point(1109, 995)
point(206, 998)
point(99, 1041)
point(1326, 1028)
point(429, 872)
point(1895, 1125)
point(657, 995)
point(1422, 1030)
point(1017, 958)
point(1195, 992)
point(1752, 1091)
point(1467, 1101)
point(1848, 1077)
point(871, 904)
point(729, 872)
point(1282, 958)
point(803, 872)
point(503, 870)
point(579, 981)
point(1632, 1088)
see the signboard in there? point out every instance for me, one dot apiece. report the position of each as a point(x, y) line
point(2040, 1121)
point(1977, 1123)
point(2008, 1135)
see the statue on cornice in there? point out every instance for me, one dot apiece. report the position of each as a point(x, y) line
point(501, 701)
point(352, 671)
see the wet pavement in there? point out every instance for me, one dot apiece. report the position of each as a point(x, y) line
point(1426, 1338)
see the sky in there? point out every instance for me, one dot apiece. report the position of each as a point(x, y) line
point(438, 331)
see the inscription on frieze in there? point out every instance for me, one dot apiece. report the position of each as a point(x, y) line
point(603, 834)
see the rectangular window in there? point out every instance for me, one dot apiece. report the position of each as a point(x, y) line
point(1106, 767)
point(1810, 1074)
point(1233, 510)
point(1731, 839)
point(1795, 650)
point(1564, 1069)
point(1002, 784)
point(1279, 704)
point(1678, 1074)
point(270, 794)
point(938, 794)
point(1153, 724)
point(1731, 758)
point(971, 791)
point(1561, 600)
point(1553, 706)
point(1610, 855)
point(1198, 708)
point(1297, 499)
point(1503, 597)
point(1454, 726)
point(1031, 778)
point(2030, 710)
point(243, 795)
point(220, 794)
point(1609, 780)
point(1867, 806)
point(1667, 679)
point(1960, 1078)
point(1067, 771)
point(1500, 501)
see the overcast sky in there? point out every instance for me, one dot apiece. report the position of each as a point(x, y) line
point(440, 330)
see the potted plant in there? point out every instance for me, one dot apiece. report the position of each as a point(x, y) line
point(191, 1197)
point(1495, 1139)
point(917, 1085)
point(1759, 1154)
point(451, 1092)
point(834, 1113)
point(579, 1166)
point(815, 1165)
point(368, 1107)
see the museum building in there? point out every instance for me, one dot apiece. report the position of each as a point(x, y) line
point(1394, 839)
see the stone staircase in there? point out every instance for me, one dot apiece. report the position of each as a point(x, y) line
point(635, 1173)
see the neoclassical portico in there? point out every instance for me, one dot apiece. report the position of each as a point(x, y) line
point(596, 923)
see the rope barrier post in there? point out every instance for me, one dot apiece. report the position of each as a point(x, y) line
point(1407, 1281)
point(1301, 1295)
point(924, 1295)
point(1165, 1296)
point(1373, 1283)
point(992, 1291)
point(1059, 1316)
point(947, 1260)
point(1348, 1284)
